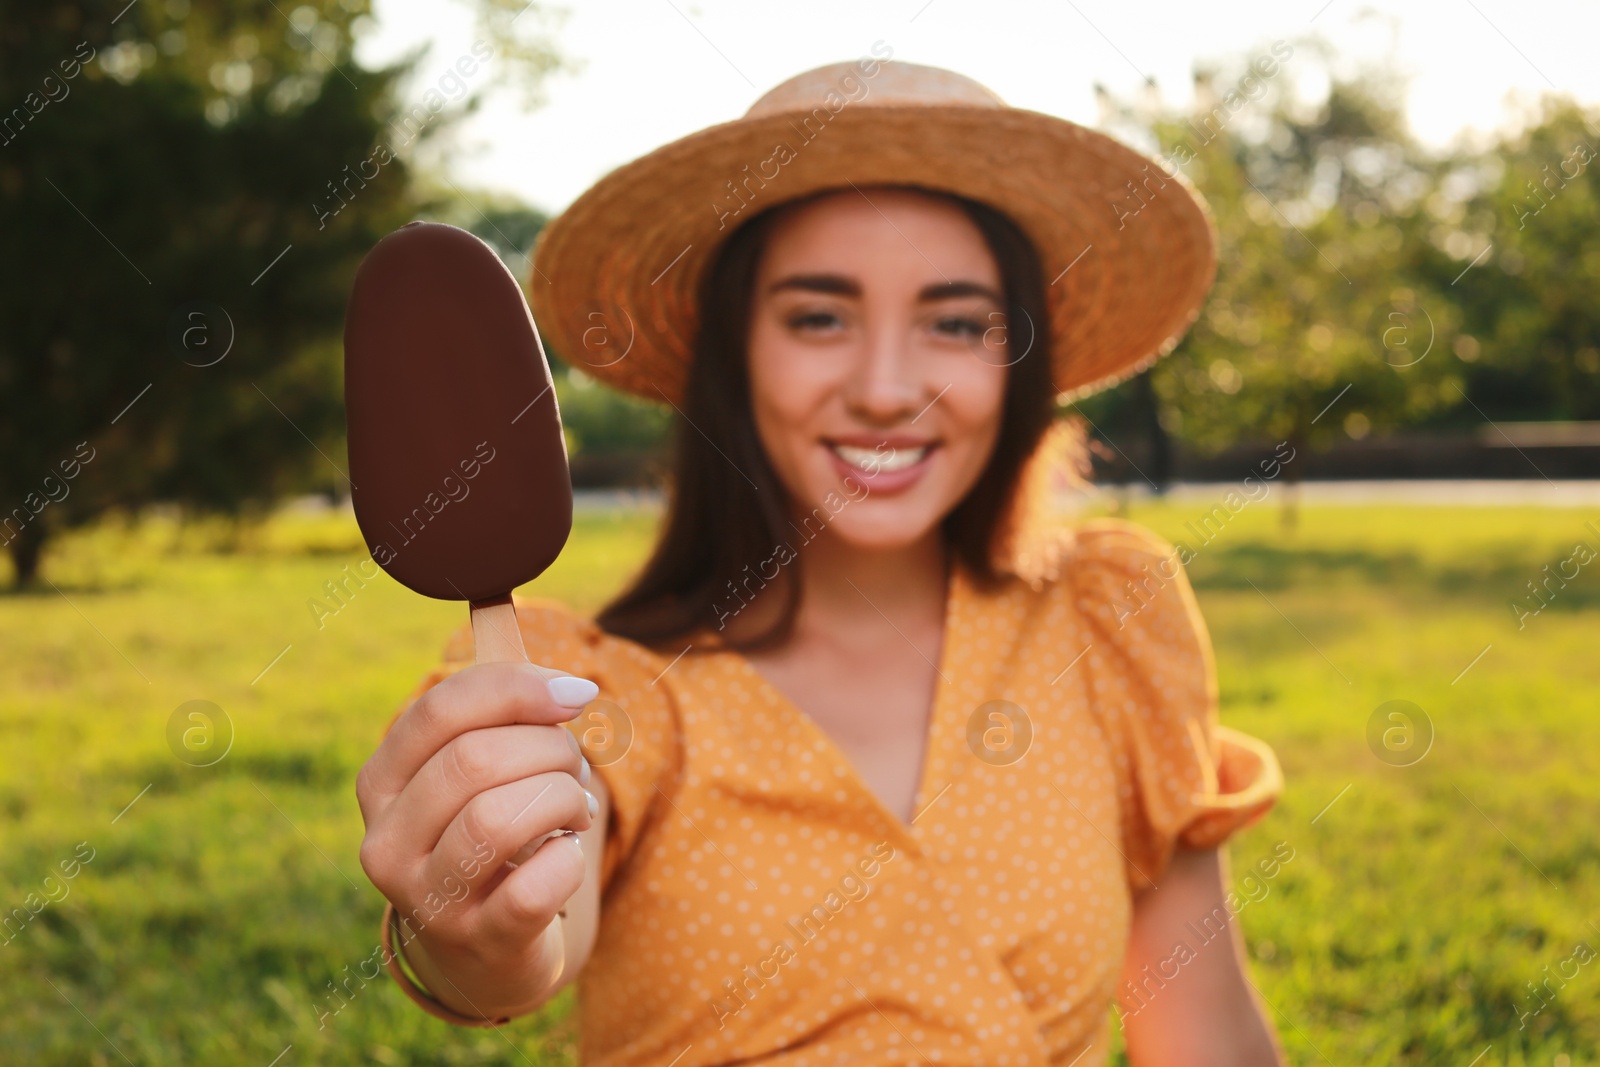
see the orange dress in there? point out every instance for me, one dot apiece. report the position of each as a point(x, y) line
point(760, 903)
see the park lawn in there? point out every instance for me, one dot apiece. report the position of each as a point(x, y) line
point(1419, 905)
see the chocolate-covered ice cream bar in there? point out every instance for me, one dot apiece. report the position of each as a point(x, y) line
point(458, 466)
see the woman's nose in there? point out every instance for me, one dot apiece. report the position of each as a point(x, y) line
point(885, 384)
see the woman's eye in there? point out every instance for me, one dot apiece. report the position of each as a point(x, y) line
point(813, 320)
point(961, 326)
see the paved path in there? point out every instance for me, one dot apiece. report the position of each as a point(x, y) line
point(1442, 492)
point(1445, 493)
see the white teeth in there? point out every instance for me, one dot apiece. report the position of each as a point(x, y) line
point(873, 461)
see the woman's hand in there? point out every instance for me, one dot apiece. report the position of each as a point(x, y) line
point(475, 769)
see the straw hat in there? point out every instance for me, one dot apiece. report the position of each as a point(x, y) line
point(1127, 248)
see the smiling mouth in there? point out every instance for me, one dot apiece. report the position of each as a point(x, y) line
point(874, 461)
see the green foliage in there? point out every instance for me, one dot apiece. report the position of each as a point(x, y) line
point(610, 434)
point(219, 906)
point(1316, 303)
point(1291, 323)
point(1351, 297)
point(188, 158)
point(1530, 302)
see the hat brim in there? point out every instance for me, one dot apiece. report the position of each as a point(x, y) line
point(1127, 248)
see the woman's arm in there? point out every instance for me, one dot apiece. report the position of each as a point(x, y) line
point(1184, 999)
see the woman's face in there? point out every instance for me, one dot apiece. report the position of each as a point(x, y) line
point(878, 361)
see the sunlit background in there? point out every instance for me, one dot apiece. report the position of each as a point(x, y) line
point(198, 654)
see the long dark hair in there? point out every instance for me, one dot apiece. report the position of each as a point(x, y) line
point(727, 513)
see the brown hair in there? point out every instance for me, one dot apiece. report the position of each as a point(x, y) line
point(727, 512)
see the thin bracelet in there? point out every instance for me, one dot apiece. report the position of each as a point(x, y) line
point(414, 988)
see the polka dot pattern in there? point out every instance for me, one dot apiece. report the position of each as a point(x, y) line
point(762, 905)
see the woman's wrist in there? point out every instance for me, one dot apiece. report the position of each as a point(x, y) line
point(423, 980)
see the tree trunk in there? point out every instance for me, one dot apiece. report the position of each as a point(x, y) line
point(1159, 464)
point(25, 550)
point(1289, 516)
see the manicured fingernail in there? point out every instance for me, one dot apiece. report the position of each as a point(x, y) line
point(573, 692)
point(584, 773)
point(594, 804)
point(576, 840)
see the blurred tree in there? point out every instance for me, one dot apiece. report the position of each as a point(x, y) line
point(1321, 324)
point(614, 438)
point(186, 187)
point(1532, 340)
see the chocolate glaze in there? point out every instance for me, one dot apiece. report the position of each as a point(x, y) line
point(458, 467)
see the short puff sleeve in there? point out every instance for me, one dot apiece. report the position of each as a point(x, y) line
point(1182, 778)
point(630, 733)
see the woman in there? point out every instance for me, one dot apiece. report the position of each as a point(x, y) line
point(881, 768)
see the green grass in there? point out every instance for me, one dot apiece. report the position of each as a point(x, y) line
point(217, 907)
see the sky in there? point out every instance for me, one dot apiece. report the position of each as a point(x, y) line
point(650, 71)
